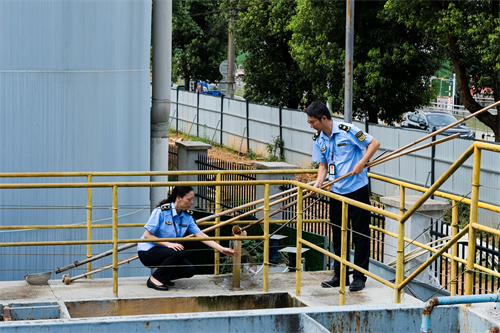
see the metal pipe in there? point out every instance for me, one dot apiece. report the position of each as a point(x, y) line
point(217, 221)
point(471, 256)
point(230, 56)
point(266, 238)
point(89, 224)
point(115, 240)
point(349, 60)
point(221, 117)
point(343, 253)
point(453, 300)
point(248, 125)
point(454, 248)
point(162, 60)
point(160, 110)
point(197, 113)
point(400, 266)
point(298, 270)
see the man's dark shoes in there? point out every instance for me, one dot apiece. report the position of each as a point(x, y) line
point(335, 282)
point(357, 284)
point(150, 284)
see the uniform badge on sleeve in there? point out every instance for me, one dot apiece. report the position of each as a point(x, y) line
point(361, 136)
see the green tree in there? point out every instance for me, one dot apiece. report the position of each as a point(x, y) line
point(390, 61)
point(199, 39)
point(271, 74)
point(468, 34)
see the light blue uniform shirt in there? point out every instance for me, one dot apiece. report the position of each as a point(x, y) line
point(163, 224)
point(344, 148)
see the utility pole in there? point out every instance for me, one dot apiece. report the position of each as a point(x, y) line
point(160, 110)
point(349, 59)
point(230, 56)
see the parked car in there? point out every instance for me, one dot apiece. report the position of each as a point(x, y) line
point(209, 88)
point(431, 121)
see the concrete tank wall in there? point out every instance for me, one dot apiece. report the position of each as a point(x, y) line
point(74, 96)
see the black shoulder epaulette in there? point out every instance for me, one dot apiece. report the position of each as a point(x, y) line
point(344, 127)
point(190, 212)
point(315, 136)
point(166, 207)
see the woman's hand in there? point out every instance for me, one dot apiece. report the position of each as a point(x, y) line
point(175, 246)
point(228, 252)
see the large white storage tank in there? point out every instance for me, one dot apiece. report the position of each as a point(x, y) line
point(74, 96)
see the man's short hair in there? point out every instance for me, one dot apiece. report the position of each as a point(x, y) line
point(318, 110)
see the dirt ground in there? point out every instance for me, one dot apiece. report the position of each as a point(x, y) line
point(228, 156)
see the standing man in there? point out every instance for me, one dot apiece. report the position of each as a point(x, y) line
point(338, 148)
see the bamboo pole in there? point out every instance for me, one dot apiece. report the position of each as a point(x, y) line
point(400, 267)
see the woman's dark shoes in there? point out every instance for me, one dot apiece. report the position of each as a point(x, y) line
point(150, 284)
point(170, 283)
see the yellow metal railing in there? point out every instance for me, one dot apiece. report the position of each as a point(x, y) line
point(400, 283)
point(89, 176)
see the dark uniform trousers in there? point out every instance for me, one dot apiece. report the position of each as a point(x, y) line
point(165, 257)
point(360, 224)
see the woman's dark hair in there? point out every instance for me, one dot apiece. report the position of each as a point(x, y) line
point(318, 110)
point(178, 191)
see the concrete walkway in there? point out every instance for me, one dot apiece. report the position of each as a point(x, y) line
point(312, 294)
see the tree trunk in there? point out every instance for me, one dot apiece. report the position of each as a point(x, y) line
point(463, 87)
point(187, 79)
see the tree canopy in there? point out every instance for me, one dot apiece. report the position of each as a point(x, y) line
point(271, 74)
point(389, 66)
point(467, 33)
point(199, 39)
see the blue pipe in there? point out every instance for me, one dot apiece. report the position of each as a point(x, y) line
point(465, 299)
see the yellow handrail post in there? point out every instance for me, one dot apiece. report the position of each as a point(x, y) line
point(115, 240)
point(454, 248)
point(343, 252)
point(266, 238)
point(89, 224)
point(400, 265)
point(471, 256)
point(298, 265)
point(217, 221)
